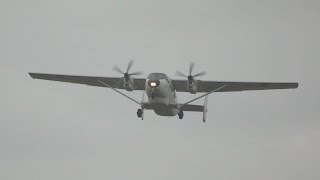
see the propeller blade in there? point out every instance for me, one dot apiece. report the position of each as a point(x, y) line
point(200, 74)
point(191, 68)
point(178, 73)
point(129, 65)
point(135, 73)
point(116, 68)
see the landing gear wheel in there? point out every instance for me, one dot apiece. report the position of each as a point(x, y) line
point(139, 113)
point(152, 95)
point(180, 114)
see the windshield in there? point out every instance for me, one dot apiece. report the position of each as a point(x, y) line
point(157, 76)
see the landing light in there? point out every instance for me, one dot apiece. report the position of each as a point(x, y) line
point(153, 84)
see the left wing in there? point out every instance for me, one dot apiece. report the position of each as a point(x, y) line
point(207, 86)
point(139, 84)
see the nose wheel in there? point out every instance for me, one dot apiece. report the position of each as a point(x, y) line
point(152, 93)
point(180, 114)
point(140, 113)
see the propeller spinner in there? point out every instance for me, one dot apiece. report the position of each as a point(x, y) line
point(190, 76)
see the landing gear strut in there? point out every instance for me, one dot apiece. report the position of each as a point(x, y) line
point(140, 113)
point(180, 114)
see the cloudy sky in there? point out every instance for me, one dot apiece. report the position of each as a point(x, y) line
point(51, 130)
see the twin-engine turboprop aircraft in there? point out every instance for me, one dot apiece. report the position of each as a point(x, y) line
point(161, 90)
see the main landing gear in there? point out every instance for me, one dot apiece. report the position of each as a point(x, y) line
point(180, 114)
point(140, 113)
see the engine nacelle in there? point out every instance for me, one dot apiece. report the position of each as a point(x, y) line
point(128, 84)
point(192, 87)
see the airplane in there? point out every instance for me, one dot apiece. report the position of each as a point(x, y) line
point(162, 91)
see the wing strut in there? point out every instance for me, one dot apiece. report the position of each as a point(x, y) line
point(205, 109)
point(206, 94)
point(105, 84)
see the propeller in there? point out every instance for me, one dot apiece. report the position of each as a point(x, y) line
point(190, 76)
point(126, 74)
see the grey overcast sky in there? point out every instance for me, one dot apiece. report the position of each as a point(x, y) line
point(51, 130)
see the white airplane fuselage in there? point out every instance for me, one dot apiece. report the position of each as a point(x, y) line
point(161, 94)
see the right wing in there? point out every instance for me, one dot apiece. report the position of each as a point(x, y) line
point(139, 84)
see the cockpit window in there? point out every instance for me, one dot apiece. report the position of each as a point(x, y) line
point(157, 76)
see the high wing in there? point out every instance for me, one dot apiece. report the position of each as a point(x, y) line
point(139, 84)
point(207, 86)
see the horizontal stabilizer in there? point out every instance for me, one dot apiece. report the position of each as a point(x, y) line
point(191, 107)
point(187, 107)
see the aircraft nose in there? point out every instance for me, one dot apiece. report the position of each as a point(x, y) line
point(153, 83)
